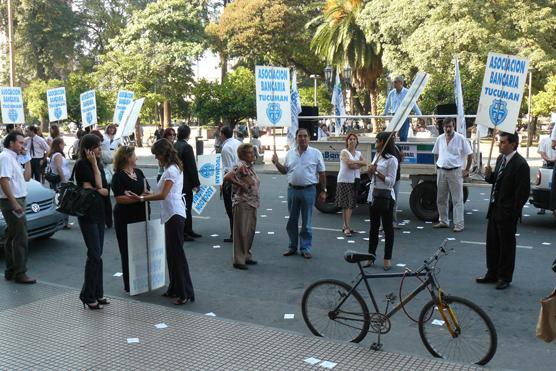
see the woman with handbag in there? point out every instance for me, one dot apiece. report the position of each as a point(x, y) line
point(58, 171)
point(127, 178)
point(89, 174)
point(381, 196)
point(172, 215)
point(346, 194)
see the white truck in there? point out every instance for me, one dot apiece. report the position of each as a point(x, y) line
point(540, 190)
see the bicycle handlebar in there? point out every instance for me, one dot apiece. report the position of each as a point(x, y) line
point(442, 250)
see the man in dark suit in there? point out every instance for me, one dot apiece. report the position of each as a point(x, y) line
point(510, 190)
point(190, 178)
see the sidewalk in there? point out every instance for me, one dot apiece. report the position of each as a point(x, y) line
point(44, 327)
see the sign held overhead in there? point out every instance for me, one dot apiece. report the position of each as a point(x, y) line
point(273, 96)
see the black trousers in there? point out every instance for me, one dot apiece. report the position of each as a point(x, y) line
point(381, 209)
point(500, 248)
point(36, 168)
point(227, 196)
point(121, 236)
point(93, 234)
point(178, 270)
point(188, 229)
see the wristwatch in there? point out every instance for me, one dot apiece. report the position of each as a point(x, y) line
point(142, 198)
point(325, 190)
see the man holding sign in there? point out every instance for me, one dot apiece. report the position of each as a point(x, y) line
point(393, 102)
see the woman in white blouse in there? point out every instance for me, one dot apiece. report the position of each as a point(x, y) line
point(172, 215)
point(381, 196)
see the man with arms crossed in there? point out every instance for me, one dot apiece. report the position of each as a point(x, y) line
point(13, 191)
point(305, 168)
point(450, 151)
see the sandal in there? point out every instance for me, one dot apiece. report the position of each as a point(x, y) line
point(347, 232)
point(369, 264)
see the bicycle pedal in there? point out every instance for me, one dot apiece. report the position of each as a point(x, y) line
point(376, 346)
point(391, 297)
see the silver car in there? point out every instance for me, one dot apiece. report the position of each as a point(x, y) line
point(42, 218)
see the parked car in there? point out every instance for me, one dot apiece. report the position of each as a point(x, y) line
point(42, 218)
point(540, 191)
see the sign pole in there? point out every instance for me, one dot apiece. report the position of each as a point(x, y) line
point(274, 138)
point(491, 147)
point(147, 238)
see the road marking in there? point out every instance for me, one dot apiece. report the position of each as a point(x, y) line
point(201, 217)
point(484, 243)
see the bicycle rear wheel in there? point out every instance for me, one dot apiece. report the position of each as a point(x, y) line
point(465, 334)
point(348, 322)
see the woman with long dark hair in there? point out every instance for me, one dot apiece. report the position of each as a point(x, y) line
point(89, 174)
point(381, 196)
point(172, 215)
point(58, 164)
point(53, 134)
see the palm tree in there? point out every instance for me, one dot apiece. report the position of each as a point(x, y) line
point(340, 41)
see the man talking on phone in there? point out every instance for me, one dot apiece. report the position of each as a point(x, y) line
point(13, 190)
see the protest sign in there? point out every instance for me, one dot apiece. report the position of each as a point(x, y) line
point(147, 256)
point(88, 108)
point(210, 169)
point(408, 101)
point(273, 96)
point(57, 105)
point(11, 102)
point(201, 198)
point(502, 91)
point(124, 99)
point(129, 119)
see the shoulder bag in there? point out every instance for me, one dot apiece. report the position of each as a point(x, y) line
point(546, 325)
point(73, 199)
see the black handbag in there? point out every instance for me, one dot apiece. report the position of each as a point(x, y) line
point(52, 178)
point(73, 199)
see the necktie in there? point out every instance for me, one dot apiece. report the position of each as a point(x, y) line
point(32, 147)
point(495, 187)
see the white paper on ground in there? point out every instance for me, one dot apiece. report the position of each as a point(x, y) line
point(451, 239)
point(257, 232)
point(383, 240)
point(214, 235)
point(289, 316)
point(420, 227)
point(400, 265)
point(475, 210)
point(210, 314)
point(327, 364)
point(547, 243)
point(284, 202)
point(268, 209)
point(118, 274)
point(428, 222)
point(311, 360)
point(437, 322)
point(406, 232)
point(132, 340)
point(526, 215)
point(216, 246)
point(339, 238)
point(263, 216)
point(280, 196)
point(286, 217)
point(367, 220)
point(270, 232)
point(161, 325)
point(351, 241)
point(482, 193)
point(469, 213)
point(486, 199)
point(366, 238)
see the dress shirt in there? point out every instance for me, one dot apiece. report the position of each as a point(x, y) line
point(389, 168)
point(346, 174)
point(304, 169)
point(36, 146)
point(395, 99)
point(229, 154)
point(546, 147)
point(11, 169)
point(173, 203)
point(451, 155)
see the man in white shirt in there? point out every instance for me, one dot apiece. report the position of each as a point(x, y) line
point(229, 160)
point(546, 151)
point(37, 148)
point(450, 150)
point(305, 168)
point(13, 191)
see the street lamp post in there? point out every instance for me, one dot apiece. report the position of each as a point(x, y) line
point(529, 131)
point(315, 77)
point(11, 44)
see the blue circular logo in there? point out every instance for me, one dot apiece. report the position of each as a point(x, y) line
point(498, 111)
point(57, 113)
point(274, 113)
point(207, 170)
point(89, 117)
point(12, 114)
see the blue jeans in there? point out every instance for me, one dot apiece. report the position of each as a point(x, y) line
point(404, 130)
point(301, 200)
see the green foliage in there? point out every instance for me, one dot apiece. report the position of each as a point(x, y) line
point(78, 83)
point(545, 101)
point(34, 96)
point(233, 100)
point(306, 95)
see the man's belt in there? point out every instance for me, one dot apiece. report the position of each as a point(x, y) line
point(301, 187)
point(447, 168)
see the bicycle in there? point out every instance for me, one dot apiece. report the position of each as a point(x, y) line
point(450, 327)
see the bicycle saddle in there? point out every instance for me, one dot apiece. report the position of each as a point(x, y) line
point(353, 256)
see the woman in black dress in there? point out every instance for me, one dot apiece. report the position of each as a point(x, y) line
point(89, 174)
point(127, 210)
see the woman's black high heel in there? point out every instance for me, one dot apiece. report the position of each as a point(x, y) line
point(92, 306)
point(181, 301)
point(103, 301)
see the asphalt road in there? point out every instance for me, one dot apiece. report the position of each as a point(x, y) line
point(274, 287)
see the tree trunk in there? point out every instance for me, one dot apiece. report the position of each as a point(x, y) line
point(223, 66)
point(44, 125)
point(138, 133)
point(167, 114)
point(377, 125)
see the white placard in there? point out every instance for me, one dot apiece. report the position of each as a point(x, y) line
point(129, 119)
point(408, 101)
point(11, 102)
point(502, 91)
point(88, 108)
point(210, 169)
point(202, 198)
point(140, 271)
point(273, 96)
point(57, 104)
point(409, 153)
point(124, 99)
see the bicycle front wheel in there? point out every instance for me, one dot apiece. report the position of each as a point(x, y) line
point(462, 333)
point(328, 311)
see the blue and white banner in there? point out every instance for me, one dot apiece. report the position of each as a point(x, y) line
point(296, 110)
point(458, 92)
point(125, 98)
point(338, 102)
point(11, 102)
point(502, 91)
point(88, 108)
point(273, 96)
point(210, 169)
point(57, 104)
point(202, 198)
